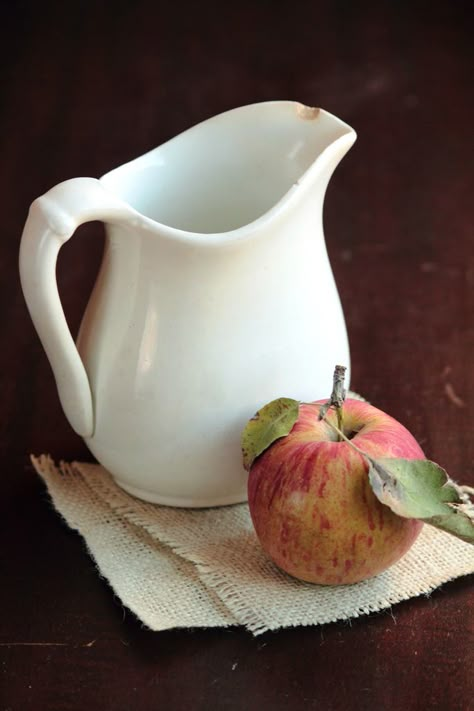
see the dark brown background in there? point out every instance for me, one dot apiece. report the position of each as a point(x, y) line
point(87, 86)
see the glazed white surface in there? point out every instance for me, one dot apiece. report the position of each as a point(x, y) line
point(214, 297)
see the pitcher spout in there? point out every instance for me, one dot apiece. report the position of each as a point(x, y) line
point(326, 141)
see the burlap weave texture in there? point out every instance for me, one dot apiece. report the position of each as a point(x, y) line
point(205, 568)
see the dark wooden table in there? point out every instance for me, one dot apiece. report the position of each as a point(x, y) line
point(87, 86)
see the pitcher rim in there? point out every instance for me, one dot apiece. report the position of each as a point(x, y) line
point(305, 112)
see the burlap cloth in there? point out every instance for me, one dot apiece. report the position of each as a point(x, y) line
point(205, 568)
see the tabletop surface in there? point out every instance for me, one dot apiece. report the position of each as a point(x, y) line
point(88, 86)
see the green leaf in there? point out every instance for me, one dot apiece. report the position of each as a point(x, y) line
point(273, 421)
point(418, 488)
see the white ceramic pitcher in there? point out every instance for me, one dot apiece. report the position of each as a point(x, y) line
point(215, 296)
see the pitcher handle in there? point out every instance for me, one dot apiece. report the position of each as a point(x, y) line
point(51, 221)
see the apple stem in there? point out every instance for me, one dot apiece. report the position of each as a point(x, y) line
point(339, 421)
point(337, 398)
point(342, 437)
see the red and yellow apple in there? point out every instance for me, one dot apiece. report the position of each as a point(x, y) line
point(312, 504)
